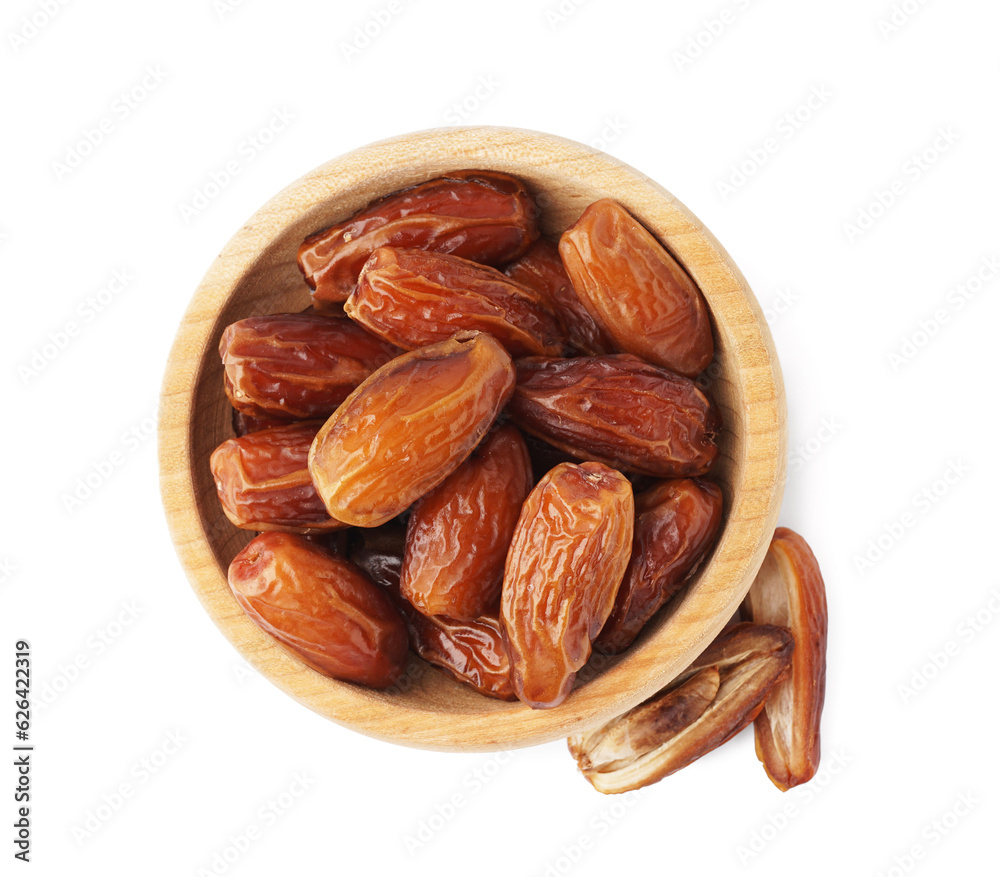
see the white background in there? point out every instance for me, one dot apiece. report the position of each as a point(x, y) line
point(890, 371)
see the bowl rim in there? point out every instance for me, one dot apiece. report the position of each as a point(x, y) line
point(722, 581)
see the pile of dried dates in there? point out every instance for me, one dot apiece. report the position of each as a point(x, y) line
point(489, 448)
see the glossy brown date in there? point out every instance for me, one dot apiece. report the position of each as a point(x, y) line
point(565, 563)
point(618, 410)
point(485, 216)
point(320, 607)
point(412, 298)
point(458, 534)
point(297, 366)
point(636, 291)
point(541, 269)
point(472, 652)
point(676, 521)
point(789, 591)
point(408, 427)
point(263, 481)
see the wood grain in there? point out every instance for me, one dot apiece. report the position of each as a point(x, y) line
point(256, 274)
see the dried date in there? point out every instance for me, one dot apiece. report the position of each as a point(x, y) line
point(636, 291)
point(789, 591)
point(458, 534)
point(412, 298)
point(320, 607)
point(541, 269)
point(408, 427)
point(297, 366)
point(565, 563)
point(618, 410)
point(263, 481)
point(485, 216)
point(675, 523)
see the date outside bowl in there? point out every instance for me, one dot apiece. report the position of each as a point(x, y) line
point(256, 273)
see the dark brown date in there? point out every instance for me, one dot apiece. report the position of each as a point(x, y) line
point(635, 290)
point(541, 269)
point(676, 521)
point(263, 480)
point(320, 607)
point(297, 366)
point(412, 298)
point(457, 536)
point(619, 410)
point(485, 216)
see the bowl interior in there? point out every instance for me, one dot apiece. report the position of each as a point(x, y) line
point(257, 274)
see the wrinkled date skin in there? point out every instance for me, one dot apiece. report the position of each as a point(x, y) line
point(322, 608)
point(676, 521)
point(244, 424)
point(618, 410)
point(789, 591)
point(264, 484)
point(636, 290)
point(457, 536)
point(297, 366)
point(408, 427)
point(412, 298)
point(541, 269)
point(485, 216)
point(472, 652)
point(565, 563)
point(721, 693)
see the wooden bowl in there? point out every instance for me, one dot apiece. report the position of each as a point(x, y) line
point(256, 273)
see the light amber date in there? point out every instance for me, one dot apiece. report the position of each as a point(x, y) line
point(618, 410)
point(408, 427)
point(676, 521)
point(457, 536)
point(713, 700)
point(636, 291)
point(297, 366)
point(565, 563)
point(485, 216)
point(541, 269)
point(263, 481)
point(320, 607)
point(412, 298)
point(789, 591)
